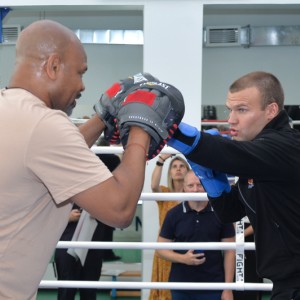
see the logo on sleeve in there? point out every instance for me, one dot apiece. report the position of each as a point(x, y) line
point(250, 183)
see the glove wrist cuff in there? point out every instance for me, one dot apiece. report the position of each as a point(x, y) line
point(101, 113)
point(185, 138)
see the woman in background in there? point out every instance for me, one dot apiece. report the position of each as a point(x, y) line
point(178, 167)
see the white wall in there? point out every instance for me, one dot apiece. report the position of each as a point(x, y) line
point(107, 64)
point(172, 50)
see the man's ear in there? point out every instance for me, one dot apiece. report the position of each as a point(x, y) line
point(53, 66)
point(272, 110)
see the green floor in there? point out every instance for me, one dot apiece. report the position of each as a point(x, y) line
point(51, 295)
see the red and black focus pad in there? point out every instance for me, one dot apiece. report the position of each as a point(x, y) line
point(109, 103)
point(155, 106)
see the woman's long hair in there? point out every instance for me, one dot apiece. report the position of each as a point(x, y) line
point(170, 179)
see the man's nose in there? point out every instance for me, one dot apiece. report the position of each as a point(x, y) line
point(232, 118)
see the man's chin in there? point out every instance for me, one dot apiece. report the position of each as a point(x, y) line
point(240, 138)
point(70, 108)
point(69, 111)
point(237, 138)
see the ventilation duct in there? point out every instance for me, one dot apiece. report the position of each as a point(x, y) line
point(251, 36)
point(222, 36)
point(10, 33)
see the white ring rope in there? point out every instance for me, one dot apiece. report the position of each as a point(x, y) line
point(154, 245)
point(238, 246)
point(174, 196)
point(155, 285)
point(120, 150)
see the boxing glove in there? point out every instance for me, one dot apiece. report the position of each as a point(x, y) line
point(215, 183)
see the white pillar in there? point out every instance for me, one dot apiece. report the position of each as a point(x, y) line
point(173, 53)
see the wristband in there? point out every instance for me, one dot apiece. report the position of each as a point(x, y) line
point(162, 159)
point(136, 144)
point(159, 164)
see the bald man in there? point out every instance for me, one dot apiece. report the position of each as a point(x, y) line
point(46, 164)
point(195, 221)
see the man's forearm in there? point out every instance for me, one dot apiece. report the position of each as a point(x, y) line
point(170, 255)
point(229, 265)
point(92, 129)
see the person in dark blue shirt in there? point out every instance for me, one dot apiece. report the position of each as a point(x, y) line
point(195, 221)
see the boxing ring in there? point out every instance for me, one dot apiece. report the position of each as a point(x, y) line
point(240, 246)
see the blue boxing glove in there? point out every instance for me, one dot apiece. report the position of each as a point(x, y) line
point(187, 137)
point(215, 183)
point(185, 140)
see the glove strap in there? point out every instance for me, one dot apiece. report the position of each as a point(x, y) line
point(185, 138)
